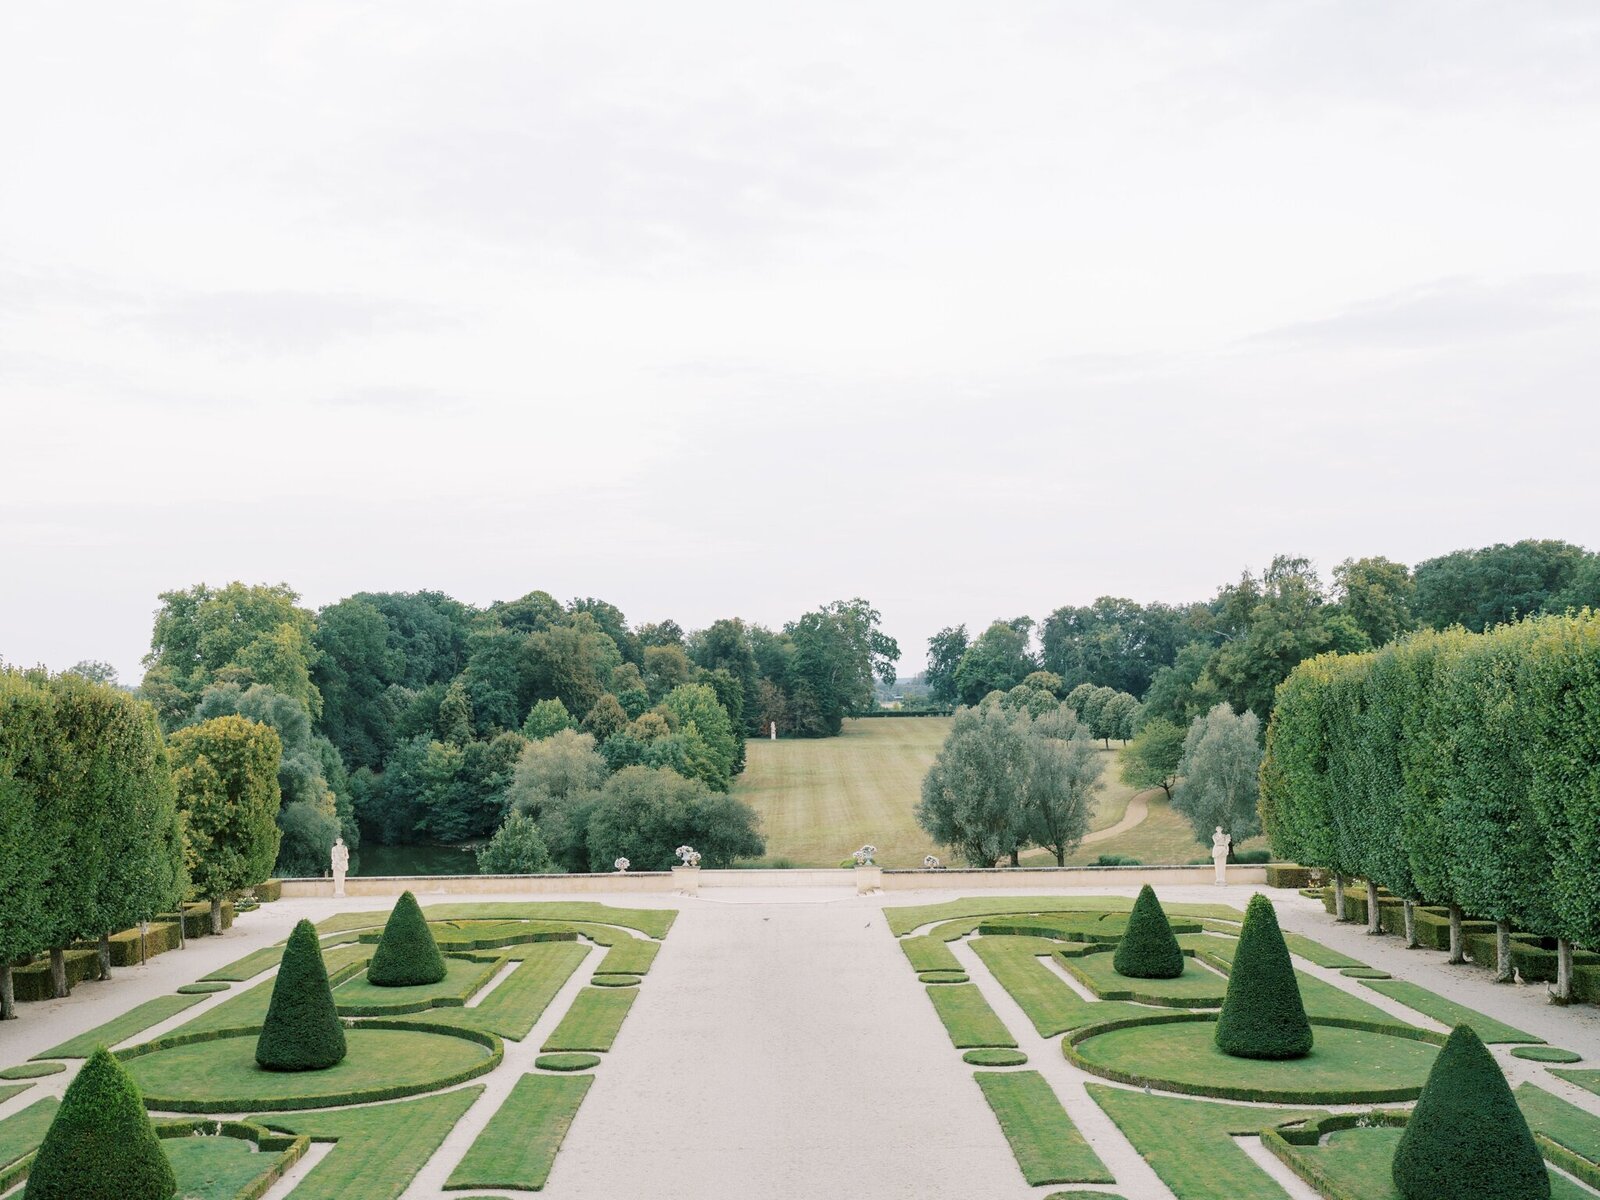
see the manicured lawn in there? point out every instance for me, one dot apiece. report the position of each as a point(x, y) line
point(1047, 1145)
point(358, 997)
point(1163, 837)
point(379, 1148)
point(905, 918)
point(1197, 987)
point(216, 1168)
point(517, 1002)
point(1589, 1081)
point(1318, 953)
point(1357, 1162)
point(929, 954)
point(249, 966)
point(1189, 1143)
point(1546, 1054)
point(567, 1062)
point(249, 1008)
point(1345, 1065)
point(1049, 1000)
point(967, 1016)
point(994, 1056)
point(135, 1020)
point(1565, 1124)
point(32, 1070)
point(652, 922)
point(518, 1146)
point(222, 1075)
point(593, 1020)
point(21, 1133)
point(1448, 1011)
point(1321, 999)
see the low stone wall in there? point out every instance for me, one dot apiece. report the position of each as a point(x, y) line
point(949, 879)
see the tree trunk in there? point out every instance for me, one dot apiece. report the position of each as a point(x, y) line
point(1339, 913)
point(1563, 992)
point(216, 914)
point(8, 995)
point(1458, 948)
point(1374, 911)
point(105, 955)
point(1409, 909)
point(1061, 857)
point(58, 974)
point(1016, 860)
point(183, 939)
point(1504, 972)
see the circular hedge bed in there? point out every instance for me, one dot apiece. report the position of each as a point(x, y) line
point(615, 981)
point(1179, 1054)
point(567, 1061)
point(1553, 1054)
point(205, 1073)
point(942, 977)
point(995, 1056)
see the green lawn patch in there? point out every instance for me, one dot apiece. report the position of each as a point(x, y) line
point(567, 1062)
point(220, 1168)
point(1179, 1054)
point(1322, 955)
point(1195, 988)
point(599, 980)
point(221, 1075)
point(203, 988)
point(1321, 999)
point(1567, 1135)
point(21, 1133)
point(33, 1070)
point(1189, 1143)
point(1043, 995)
point(1547, 1054)
point(518, 1146)
point(929, 954)
point(379, 1149)
point(1448, 1011)
point(135, 1020)
point(904, 919)
point(994, 1057)
point(249, 966)
point(358, 997)
point(944, 977)
point(967, 1016)
point(1589, 1081)
point(652, 922)
point(1047, 1145)
point(518, 1000)
point(593, 1020)
point(1364, 973)
point(248, 1009)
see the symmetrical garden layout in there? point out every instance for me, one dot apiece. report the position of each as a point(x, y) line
point(420, 1059)
point(1141, 1052)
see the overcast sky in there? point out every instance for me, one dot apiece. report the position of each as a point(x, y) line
point(732, 308)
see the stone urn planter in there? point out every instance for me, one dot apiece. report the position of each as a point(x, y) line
point(686, 875)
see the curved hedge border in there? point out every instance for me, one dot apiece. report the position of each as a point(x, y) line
point(401, 1008)
point(1069, 1047)
point(1282, 1141)
point(371, 1095)
point(1140, 997)
point(569, 1060)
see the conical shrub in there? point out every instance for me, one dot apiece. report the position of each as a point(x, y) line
point(1148, 949)
point(101, 1145)
point(407, 954)
point(302, 1031)
point(1262, 1015)
point(1466, 1138)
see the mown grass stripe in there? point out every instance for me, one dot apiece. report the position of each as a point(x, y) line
point(1046, 1144)
point(135, 1020)
point(967, 1016)
point(593, 1020)
point(1448, 1011)
point(518, 1147)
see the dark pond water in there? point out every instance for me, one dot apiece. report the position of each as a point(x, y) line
point(413, 860)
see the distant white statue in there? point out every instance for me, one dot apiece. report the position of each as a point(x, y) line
point(341, 864)
point(865, 855)
point(622, 866)
point(774, 731)
point(931, 862)
point(1220, 844)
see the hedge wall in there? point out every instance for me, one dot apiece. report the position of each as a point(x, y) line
point(163, 936)
point(33, 981)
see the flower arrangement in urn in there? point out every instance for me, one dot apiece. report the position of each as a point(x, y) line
point(931, 862)
point(688, 855)
point(622, 866)
point(865, 855)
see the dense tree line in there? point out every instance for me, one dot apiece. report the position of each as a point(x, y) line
point(104, 823)
point(1180, 661)
point(403, 716)
point(1452, 768)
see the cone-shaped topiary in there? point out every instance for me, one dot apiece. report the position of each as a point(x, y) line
point(302, 1031)
point(407, 954)
point(1148, 949)
point(1262, 1015)
point(1467, 1139)
point(101, 1145)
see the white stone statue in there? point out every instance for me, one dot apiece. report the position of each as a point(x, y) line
point(622, 866)
point(341, 864)
point(1220, 844)
point(774, 731)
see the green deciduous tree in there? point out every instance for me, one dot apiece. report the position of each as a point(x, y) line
point(545, 718)
point(517, 848)
point(644, 814)
point(830, 660)
point(1220, 768)
point(1378, 595)
point(945, 650)
point(999, 660)
point(1482, 588)
point(1151, 759)
point(1063, 775)
point(973, 797)
point(226, 771)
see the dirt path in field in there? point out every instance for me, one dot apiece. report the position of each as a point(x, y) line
point(1138, 809)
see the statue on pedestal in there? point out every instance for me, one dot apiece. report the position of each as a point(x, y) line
point(1221, 843)
point(341, 864)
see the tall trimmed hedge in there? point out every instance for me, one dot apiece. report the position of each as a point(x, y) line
point(1466, 1138)
point(1148, 948)
point(101, 1145)
point(1454, 769)
point(1262, 1014)
point(302, 1031)
point(406, 955)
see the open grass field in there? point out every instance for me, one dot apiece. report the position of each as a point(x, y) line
point(820, 798)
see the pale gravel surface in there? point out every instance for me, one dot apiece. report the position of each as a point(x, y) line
point(781, 1045)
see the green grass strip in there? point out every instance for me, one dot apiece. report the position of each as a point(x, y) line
point(599, 980)
point(203, 988)
point(21, 1133)
point(1448, 1011)
point(944, 977)
point(1046, 998)
point(967, 1016)
point(1322, 955)
point(249, 1008)
point(929, 954)
point(1190, 1145)
point(135, 1020)
point(994, 1056)
point(652, 922)
point(519, 1000)
point(593, 1020)
point(248, 967)
point(380, 1148)
point(1544, 1054)
point(33, 1070)
point(518, 1146)
point(1045, 1142)
point(904, 919)
point(12, 1089)
point(1589, 1081)
point(1553, 1119)
point(567, 1062)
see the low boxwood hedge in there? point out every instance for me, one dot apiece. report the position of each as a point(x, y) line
point(1280, 1142)
point(162, 936)
point(1291, 875)
point(268, 891)
point(32, 982)
point(290, 1148)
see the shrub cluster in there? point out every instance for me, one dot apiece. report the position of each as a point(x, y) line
point(1263, 1016)
point(407, 954)
point(302, 1032)
point(1148, 949)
